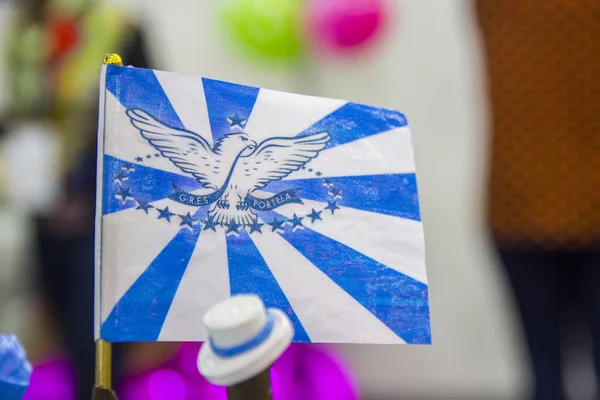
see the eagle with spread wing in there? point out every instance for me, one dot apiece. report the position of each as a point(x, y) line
point(235, 164)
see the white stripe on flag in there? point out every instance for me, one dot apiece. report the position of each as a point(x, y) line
point(188, 100)
point(286, 114)
point(313, 295)
point(205, 281)
point(131, 240)
point(370, 233)
point(389, 152)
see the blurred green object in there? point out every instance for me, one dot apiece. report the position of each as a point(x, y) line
point(270, 29)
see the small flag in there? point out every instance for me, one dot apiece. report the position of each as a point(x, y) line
point(209, 189)
point(15, 370)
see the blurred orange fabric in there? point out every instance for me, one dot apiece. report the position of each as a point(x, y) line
point(543, 63)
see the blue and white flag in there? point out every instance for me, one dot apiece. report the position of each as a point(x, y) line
point(209, 189)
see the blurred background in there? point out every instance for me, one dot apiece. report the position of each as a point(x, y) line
point(427, 60)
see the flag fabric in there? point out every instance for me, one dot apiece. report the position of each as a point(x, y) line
point(208, 189)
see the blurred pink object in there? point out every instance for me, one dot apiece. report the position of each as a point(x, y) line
point(312, 372)
point(302, 372)
point(53, 379)
point(167, 384)
point(342, 25)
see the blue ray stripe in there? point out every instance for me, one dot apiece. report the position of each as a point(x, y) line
point(144, 183)
point(141, 312)
point(392, 194)
point(249, 273)
point(139, 88)
point(397, 300)
point(224, 100)
point(355, 121)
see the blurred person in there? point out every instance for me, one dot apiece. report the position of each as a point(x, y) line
point(55, 52)
point(543, 63)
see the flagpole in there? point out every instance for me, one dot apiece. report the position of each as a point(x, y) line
point(103, 377)
point(103, 364)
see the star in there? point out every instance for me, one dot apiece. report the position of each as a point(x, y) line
point(187, 220)
point(120, 177)
point(314, 215)
point(310, 170)
point(319, 173)
point(335, 192)
point(157, 155)
point(149, 156)
point(332, 205)
point(139, 159)
point(210, 224)
point(296, 221)
point(236, 120)
point(232, 227)
point(128, 167)
point(143, 205)
point(327, 182)
point(166, 214)
point(255, 226)
point(276, 224)
point(124, 193)
point(303, 167)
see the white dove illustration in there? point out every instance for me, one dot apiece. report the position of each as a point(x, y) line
point(235, 161)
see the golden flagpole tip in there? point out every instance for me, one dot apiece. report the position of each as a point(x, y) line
point(113, 59)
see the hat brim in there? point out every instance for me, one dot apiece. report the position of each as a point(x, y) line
point(233, 370)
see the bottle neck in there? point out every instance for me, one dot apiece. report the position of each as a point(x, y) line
point(256, 388)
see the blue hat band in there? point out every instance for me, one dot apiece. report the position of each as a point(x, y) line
point(251, 344)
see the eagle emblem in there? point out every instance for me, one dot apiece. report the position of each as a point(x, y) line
point(233, 168)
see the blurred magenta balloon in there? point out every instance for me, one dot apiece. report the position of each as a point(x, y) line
point(339, 25)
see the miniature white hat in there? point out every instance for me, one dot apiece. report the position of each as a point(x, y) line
point(244, 339)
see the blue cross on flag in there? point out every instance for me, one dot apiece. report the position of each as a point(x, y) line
point(209, 189)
